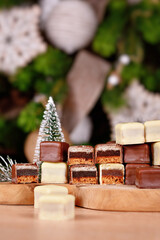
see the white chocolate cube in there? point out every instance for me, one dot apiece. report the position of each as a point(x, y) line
point(53, 172)
point(129, 133)
point(40, 191)
point(56, 208)
point(156, 153)
point(152, 131)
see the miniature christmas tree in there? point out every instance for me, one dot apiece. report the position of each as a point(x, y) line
point(50, 128)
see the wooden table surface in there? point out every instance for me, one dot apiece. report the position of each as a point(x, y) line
point(20, 222)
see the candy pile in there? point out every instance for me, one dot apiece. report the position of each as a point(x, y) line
point(53, 156)
point(141, 152)
point(81, 164)
point(133, 159)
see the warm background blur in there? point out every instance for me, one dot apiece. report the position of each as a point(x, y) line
point(98, 59)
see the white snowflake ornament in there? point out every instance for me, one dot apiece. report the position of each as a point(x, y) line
point(20, 40)
point(142, 106)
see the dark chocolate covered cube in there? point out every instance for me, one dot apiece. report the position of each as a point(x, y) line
point(148, 177)
point(53, 151)
point(131, 172)
point(136, 153)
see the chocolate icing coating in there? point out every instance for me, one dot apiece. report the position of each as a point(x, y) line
point(136, 153)
point(81, 155)
point(113, 172)
point(79, 174)
point(51, 151)
point(108, 153)
point(131, 172)
point(27, 172)
point(148, 177)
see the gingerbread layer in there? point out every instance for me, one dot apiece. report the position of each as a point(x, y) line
point(75, 161)
point(112, 180)
point(27, 179)
point(108, 159)
point(84, 180)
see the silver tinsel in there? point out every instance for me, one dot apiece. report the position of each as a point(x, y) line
point(6, 169)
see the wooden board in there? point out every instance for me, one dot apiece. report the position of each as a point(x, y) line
point(109, 197)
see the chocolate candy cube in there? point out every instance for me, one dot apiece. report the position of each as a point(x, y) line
point(136, 153)
point(131, 172)
point(111, 173)
point(53, 172)
point(53, 151)
point(108, 153)
point(148, 177)
point(156, 153)
point(57, 207)
point(129, 133)
point(83, 174)
point(152, 131)
point(81, 155)
point(40, 191)
point(24, 173)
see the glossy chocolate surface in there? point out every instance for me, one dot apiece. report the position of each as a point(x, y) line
point(148, 177)
point(51, 151)
point(131, 172)
point(136, 153)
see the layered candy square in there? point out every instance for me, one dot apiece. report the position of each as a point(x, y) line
point(129, 133)
point(86, 174)
point(53, 172)
point(57, 207)
point(108, 153)
point(51, 151)
point(152, 131)
point(111, 173)
point(80, 155)
point(136, 153)
point(130, 175)
point(24, 173)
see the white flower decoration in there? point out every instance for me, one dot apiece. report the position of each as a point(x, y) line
point(20, 40)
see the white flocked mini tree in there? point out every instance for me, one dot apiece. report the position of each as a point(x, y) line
point(50, 128)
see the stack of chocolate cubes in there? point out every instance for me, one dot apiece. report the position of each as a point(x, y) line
point(81, 165)
point(136, 139)
point(109, 158)
point(53, 156)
